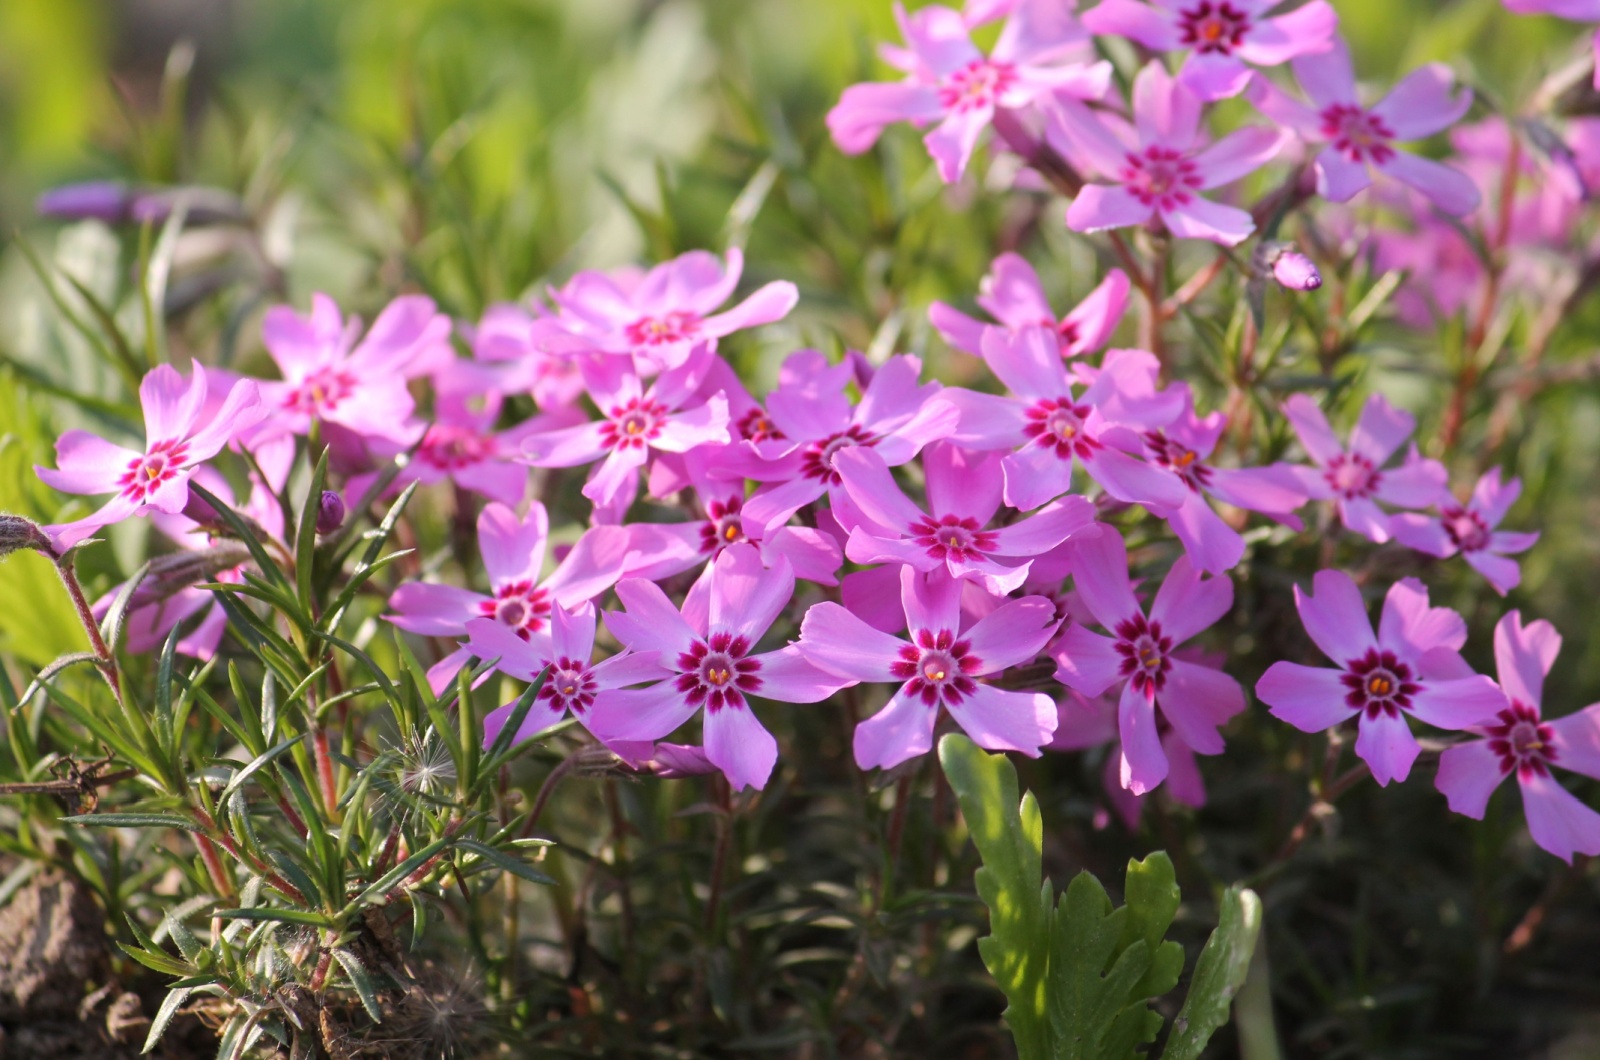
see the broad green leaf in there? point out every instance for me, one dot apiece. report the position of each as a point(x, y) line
point(1093, 974)
point(1151, 895)
point(1218, 975)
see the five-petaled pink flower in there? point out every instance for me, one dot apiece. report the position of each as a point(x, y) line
point(938, 669)
point(1411, 668)
point(178, 439)
point(1194, 699)
point(1470, 530)
point(710, 657)
point(1042, 51)
point(1518, 740)
point(1012, 294)
point(1354, 478)
point(1158, 168)
point(1221, 36)
point(1361, 138)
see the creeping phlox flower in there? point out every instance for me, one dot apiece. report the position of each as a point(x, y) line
point(1355, 478)
point(513, 553)
point(1084, 722)
point(712, 665)
point(1469, 529)
point(1411, 668)
point(179, 436)
point(937, 669)
point(1012, 294)
point(1221, 36)
point(1572, 10)
point(1041, 52)
point(510, 342)
point(1195, 700)
point(1362, 138)
point(1517, 740)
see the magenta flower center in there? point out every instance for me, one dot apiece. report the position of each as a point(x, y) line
point(817, 461)
point(1146, 654)
point(321, 392)
point(724, 525)
point(952, 537)
point(1352, 476)
point(1179, 459)
point(1358, 134)
point(148, 473)
point(1066, 335)
point(715, 673)
point(979, 84)
point(937, 668)
point(519, 605)
point(633, 425)
point(453, 448)
point(1059, 424)
point(1466, 528)
point(680, 325)
point(1160, 178)
point(1379, 683)
point(1522, 741)
point(569, 686)
point(754, 426)
point(1211, 28)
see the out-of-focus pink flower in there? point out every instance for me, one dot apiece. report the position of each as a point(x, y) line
point(1012, 294)
point(963, 496)
point(510, 341)
point(1221, 36)
point(179, 437)
point(711, 664)
point(937, 669)
point(1159, 167)
point(1470, 530)
point(1195, 700)
point(1411, 668)
point(1573, 10)
point(1085, 722)
point(1043, 50)
point(1360, 138)
point(1517, 740)
point(1354, 478)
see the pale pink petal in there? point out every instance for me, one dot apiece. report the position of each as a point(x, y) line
point(934, 420)
point(900, 731)
point(1150, 26)
point(1196, 701)
point(1381, 429)
point(1502, 574)
point(706, 425)
point(442, 674)
point(1164, 111)
point(772, 506)
point(65, 535)
point(614, 482)
point(1203, 219)
point(171, 402)
point(1411, 626)
point(1184, 782)
point(1468, 774)
point(1284, 110)
point(1365, 518)
point(629, 668)
point(1275, 490)
point(1212, 76)
point(1511, 542)
point(1027, 361)
point(1311, 424)
point(592, 566)
point(1100, 574)
point(812, 554)
point(1425, 533)
point(1144, 763)
point(1577, 740)
point(240, 411)
point(1095, 319)
point(874, 597)
point(1307, 29)
point(746, 597)
point(651, 623)
point(1309, 698)
point(1012, 634)
point(1418, 483)
point(87, 463)
point(1101, 206)
point(1210, 543)
point(1187, 603)
point(513, 549)
point(1339, 177)
point(769, 303)
point(952, 142)
point(1034, 476)
point(1523, 655)
point(931, 601)
point(1013, 295)
point(1081, 133)
point(1134, 481)
point(1327, 76)
point(568, 447)
point(1336, 616)
point(738, 744)
point(1082, 722)
point(958, 329)
point(1450, 189)
point(1240, 152)
point(789, 676)
point(866, 547)
point(1002, 720)
point(432, 610)
point(1085, 661)
point(1387, 746)
point(489, 639)
point(639, 714)
point(1422, 104)
point(839, 642)
point(1557, 821)
point(1046, 529)
point(871, 486)
point(1458, 704)
point(1493, 500)
point(961, 482)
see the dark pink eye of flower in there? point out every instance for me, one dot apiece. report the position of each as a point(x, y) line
point(1160, 177)
point(715, 672)
point(1352, 476)
point(518, 605)
point(1211, 28)
point(937, 668)
point(724, 525)
point(1522, 741)
point(1359, 134)
point(754, 426)
point(570, 686)
point(321, 392)
point(1066, 334)
point(951, 535)
point(633, 425)
point(680, 325)
point(1059, 423)
point(1145, 652)
point(149, 472)
point(1466, 528)
point(979, 84)
point(1179, 459)
point(817, 462)
point(453, 448)
point(1379, 683)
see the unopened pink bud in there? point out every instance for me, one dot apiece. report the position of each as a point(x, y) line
point(1295, 271)
point(330, 512)
point(19, 533)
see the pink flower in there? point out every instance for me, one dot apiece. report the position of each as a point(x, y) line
point(1411, 668)
point(635, 421)
point(938, 669)
point(1042, 51)
point(330, 377)
point(1194, 699)
point(178, 438)
point(710, 659)
point(513, 552)
point(664, 315)
point(1085, 722)
point(1470, 530)
point(963, 497)
point(573, 682)
point(1050, 424)
point(1012, 294)
point(1159, 168)
point(510, 341)
point(1518, 740)
point(1573, 10)
point(1360, 137)
point(1221, 35)
point(1354, 478)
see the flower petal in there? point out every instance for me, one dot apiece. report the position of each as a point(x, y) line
point(900, 731)
point(1309, 698)
point(1468, 774)
point(1385, 743)
point(1002, 720)
point(1336, 616)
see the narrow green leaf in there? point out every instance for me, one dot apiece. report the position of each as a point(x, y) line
point(305, 549)
point(156, 961)
point(256, 764)
point(361, 979)
point(290, 916)
point(132, 820)
point(1218, 975)
point(500, 859)
point(169, 1008)
point(243, 532)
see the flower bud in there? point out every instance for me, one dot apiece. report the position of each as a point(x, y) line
point(18, 533)
point(673, 761)
point(1295, 271)
point(330, 512)
point(98, 200)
